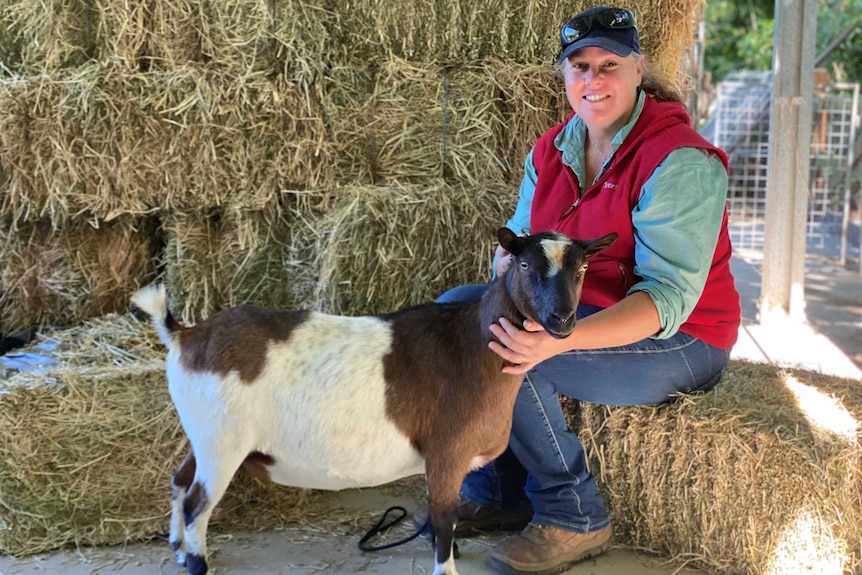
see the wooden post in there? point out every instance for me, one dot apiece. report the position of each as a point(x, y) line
point(782, 289)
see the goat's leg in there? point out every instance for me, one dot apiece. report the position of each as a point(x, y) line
point(180, 483)
point(443, 482)
point(216, 466)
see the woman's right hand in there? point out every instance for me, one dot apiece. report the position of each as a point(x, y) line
point(503, 261)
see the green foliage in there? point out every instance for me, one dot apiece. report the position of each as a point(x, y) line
point(739, 36)
point(835, 18)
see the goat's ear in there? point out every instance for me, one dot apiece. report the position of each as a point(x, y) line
point(508, 240)
point(592, 247)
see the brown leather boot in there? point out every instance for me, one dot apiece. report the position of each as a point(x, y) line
point(543, 550)
point(474, 518)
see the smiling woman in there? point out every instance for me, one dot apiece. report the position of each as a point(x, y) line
point(659, 311)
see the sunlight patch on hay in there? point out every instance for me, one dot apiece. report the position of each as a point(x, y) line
point(807, 545)
point(823, 412)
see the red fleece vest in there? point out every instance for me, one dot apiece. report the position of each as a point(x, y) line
point(606, 206)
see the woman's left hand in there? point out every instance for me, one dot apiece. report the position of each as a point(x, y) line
point(524, 348)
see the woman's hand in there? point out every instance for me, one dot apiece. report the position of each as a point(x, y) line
point(524, 348)
point(627, 321)
point(502, 261)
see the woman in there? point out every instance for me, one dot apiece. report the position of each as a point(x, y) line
point(659, 310)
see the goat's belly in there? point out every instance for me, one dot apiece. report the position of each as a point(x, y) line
point(332, 464)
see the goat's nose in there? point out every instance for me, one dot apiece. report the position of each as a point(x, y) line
point(563, 319)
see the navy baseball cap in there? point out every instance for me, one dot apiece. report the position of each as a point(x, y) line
point(613, 29)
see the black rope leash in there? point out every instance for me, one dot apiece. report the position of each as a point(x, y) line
point(382, 526)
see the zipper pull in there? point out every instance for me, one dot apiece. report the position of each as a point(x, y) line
point(571, 208)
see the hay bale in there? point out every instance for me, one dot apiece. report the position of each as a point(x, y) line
point(451, 31)
point(472, 125)
point(355, 250)
point(398, 127)
point(761, 476)
point(47, 34)
point(62, 276)
point(287, 37)
point(88, 451)
point(111, 142)
point(390, 246)
point(402, 121)
point(292, 38)
point(196, 138)
point(301, 39)
point(145, 35)
point(53, 150)
point(264, 257)
point(534, 100)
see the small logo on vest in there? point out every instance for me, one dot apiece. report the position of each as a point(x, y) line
point(609, 185)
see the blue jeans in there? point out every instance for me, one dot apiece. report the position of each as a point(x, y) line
point(545, 465)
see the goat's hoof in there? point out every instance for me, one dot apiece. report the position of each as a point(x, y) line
point(180, 556)
point(196, 564)
point(175, 545)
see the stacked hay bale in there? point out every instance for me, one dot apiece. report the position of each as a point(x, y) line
point(147, 114)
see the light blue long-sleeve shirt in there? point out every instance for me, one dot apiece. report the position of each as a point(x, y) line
point(676, 221)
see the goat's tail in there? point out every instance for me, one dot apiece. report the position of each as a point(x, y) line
point(153, 299)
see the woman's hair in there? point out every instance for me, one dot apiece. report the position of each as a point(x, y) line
point(655, 88)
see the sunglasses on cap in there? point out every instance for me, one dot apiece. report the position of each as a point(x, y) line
point(579, 26)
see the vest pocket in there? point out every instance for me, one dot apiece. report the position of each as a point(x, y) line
point(609, 280)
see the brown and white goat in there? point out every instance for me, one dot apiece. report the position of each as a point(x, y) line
point(331, 402)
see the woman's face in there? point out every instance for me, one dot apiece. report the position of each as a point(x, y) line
point(602, 87)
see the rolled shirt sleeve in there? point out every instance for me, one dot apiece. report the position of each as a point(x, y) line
point(676, 223)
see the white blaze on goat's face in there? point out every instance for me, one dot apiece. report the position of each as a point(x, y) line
point(555, 251)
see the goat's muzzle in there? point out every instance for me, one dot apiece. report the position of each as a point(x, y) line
point(559, 327)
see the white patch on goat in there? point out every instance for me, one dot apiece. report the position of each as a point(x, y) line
point(318, 408)
point(478, 462)
point(555, 251)
point(447, 568)
point(195, 538)
point(177, 525)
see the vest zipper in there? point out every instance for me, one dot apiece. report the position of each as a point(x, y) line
point(571, 208)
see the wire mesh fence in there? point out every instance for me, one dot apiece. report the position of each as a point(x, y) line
point(740, 126)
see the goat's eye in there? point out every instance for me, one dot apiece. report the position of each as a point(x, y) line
point(582, 271)
point(525, 265)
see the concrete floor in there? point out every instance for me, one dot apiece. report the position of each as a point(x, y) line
point(311, 550)
point(830, 342)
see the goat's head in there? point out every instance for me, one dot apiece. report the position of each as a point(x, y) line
point(547, 274)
